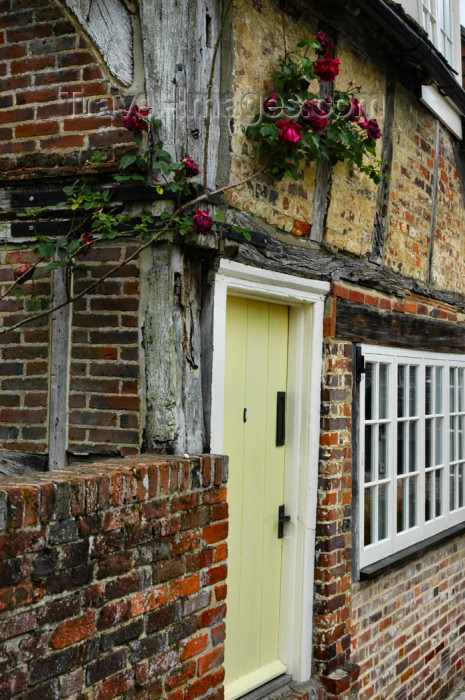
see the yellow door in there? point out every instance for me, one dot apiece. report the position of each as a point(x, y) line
point(256, 369)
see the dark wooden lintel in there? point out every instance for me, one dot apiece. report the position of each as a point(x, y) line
point(322, 264)
point(364, 324)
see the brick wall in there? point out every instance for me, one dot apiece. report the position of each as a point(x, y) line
point(113, 581)
point(401, 634)
point(333, 531)
point(104, 401)
point(408, 627)
point(24, 362)
point(43, 61)
point(104, 389)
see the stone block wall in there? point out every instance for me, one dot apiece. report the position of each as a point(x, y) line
point(113, 581)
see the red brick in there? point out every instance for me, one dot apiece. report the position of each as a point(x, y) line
point(210, 661)
point(194, 646)
point(215, 574)
point(185, 586)
point(69, 141)
point(114, 686)
point(215, 533)
point(148, 600)
point(36, 128)
point(73, 631)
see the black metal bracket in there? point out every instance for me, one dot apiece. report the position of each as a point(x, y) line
point(359, 363)
point(282, 518)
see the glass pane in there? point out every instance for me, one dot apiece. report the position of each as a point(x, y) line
point(401, 391)
point(383, 450)
point(383, 390)
point(412, 446)
point(460, 392)
point(413, 373)
point(401, 448)
point(382, 511)
point(438, 440)
point(369, 516)
point(447, 26)
point(402, 490)
point(438, 389)
point(369, 391)
point(412, 501)
point(452, 382)
point(438, 489)
point(428, 390)
point(452, 428)
point(452, 488)
point(428, 443)
point(461, 485)
point(369, 452)
point(428, 496)
point(461, 421)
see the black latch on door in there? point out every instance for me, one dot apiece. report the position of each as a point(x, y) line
point(282, 518)
point(280, 417)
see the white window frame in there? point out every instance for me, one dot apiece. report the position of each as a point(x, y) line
point(394, 541)
point(429, 14)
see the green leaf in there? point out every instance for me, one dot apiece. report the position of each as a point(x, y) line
point(47, 250)
point(18, 292)
point(126, 161)
point(74, 246)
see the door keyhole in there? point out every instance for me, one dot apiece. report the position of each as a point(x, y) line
point(244, 415)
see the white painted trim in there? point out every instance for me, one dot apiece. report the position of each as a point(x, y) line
point(442, 109)
point(306, 301)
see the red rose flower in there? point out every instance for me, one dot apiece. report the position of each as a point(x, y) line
point(271, 103)
point(24, 273)
point(289, 132)
point(327, 44)
point(372, 127)
point(190, 166)
point(135, 119)
point(202, 221)
point(87, 239)
point(353, 112)
point(326, 68)
point(315, 115)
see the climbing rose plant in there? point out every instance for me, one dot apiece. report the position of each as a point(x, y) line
point(91, 207)
point(298, 124)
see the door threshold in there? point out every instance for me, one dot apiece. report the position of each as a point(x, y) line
point(265, 690)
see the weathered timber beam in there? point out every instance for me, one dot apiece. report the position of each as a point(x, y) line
point(361, 323)
point(108, 23)
point(13, 463)
point(319, 263)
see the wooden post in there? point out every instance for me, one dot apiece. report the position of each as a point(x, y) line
point(59, 374)
point(171, 343)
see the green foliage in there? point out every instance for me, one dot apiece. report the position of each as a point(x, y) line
point(335, 132)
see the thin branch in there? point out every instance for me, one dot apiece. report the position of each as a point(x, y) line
point(133, 255)
point(19, 280)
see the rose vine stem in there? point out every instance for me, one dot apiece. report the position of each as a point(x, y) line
point(18, 281)
point(133, 255)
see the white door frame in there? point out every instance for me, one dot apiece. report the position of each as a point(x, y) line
point(306, 301)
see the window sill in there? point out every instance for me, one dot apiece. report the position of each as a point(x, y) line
point(442, 109)
point(406, 555)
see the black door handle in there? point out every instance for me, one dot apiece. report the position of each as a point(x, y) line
point(280, 417)
point(282, 518)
